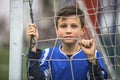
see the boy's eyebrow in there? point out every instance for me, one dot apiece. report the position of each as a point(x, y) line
point(68, 17)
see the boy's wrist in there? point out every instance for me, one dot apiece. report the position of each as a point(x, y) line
point(92, 60)
point(34, 45)
point(34, 49)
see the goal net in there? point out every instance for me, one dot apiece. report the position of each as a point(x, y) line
point(102, 20)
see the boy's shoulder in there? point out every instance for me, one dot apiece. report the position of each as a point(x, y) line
point(51, 50)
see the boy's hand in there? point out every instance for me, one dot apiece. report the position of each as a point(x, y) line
point(88, 47)
point(32, 31)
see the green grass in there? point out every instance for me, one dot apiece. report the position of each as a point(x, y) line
point(24, 69)
point(4, 63)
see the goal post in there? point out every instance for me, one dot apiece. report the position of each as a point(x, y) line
point(16, 39)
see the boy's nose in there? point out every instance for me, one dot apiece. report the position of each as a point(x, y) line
point(68, 30)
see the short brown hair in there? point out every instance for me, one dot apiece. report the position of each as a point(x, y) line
point(68, 11)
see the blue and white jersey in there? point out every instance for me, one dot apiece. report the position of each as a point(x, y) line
point(57, 66)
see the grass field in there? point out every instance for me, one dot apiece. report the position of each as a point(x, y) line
point(4, 63)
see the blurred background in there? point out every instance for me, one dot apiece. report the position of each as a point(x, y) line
point(4, 39)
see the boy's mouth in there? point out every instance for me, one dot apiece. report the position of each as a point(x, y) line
point(68, 37)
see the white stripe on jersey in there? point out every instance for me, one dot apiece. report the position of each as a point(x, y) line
point(45, 56)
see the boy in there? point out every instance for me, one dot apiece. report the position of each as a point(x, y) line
point(74, 59)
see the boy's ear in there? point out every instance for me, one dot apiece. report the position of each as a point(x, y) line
point(86, 34)
point(82, 30)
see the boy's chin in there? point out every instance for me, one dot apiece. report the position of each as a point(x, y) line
point(69, 41)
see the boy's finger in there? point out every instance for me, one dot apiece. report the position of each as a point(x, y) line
point(86, 43)
point(32, 25)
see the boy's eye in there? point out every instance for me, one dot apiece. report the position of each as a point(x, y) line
point(63, 25)
point(74, 25)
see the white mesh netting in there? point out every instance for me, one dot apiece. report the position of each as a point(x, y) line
point(102, 19)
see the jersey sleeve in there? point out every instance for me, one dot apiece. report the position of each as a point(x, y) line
point(97, 71)
point(33, 68)
point(45, 63)
point(102, 65)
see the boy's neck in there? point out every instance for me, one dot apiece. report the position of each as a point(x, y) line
point(70, 49)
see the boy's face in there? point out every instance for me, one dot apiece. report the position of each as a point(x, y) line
point(70, 29)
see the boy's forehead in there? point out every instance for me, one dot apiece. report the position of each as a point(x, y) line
point(68, 17)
